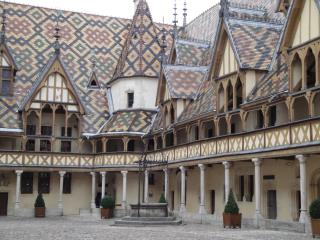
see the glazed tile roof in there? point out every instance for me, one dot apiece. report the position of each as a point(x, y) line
point(184, 82)
point(191, 53)
point(204, 103)
point(141, 54)
point(30, 39)
point(158, 122)
point(129, 121)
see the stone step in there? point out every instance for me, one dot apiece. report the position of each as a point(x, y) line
point(149, 219)
point(146, 223)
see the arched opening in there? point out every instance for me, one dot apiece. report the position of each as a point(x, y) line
point(31, 145)
point(86, 147)
point(254, 120)
point(239, 93)
point(172, 115)
point(311, 69)
point(230, 96)
point(167, 117)
point(223, 126)
point(46, 121)
point(159, 142)
point(151, 145)
point(194, 133)
point(221, 99)
point(300, 108)
point(278, 114)
point(296, 73)
point(135, 145)
point(182, 136)
point(60, 120)
point(236, 124)
point(73, 126)
point(45, 146)
point(32, 123)
point(208, 129)
point(99, 147)
point(169, 139)
point(316, 104)
point(115, 145)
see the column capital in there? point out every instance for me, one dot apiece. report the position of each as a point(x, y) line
point(182, 168)
point(301, 158)
point(93, 173)
point(257, 161)
point(124, 172)
point(202, 166)
point(166, 170)
point(103, 174)
point(146, 172)
point(19, 172)
point(227, 165)
point(62, 173)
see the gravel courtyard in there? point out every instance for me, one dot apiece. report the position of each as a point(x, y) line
point(80, 228)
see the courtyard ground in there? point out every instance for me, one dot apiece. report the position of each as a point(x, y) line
point(80, 228)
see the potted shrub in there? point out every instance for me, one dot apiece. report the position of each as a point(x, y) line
point(107, 206)
point(314, 211)
point(231, 215)
point(39, 207)
point(162, 199)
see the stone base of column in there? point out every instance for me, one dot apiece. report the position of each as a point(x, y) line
point(202, 210)
point(257, 220)
point(124, 205)
point(304, 218)
point(182, 208)
point(93, 205)
point(17, 206)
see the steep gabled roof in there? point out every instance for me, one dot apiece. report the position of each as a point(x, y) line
point(42, 77)
point(141, 53)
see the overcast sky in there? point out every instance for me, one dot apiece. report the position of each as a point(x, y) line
point(124, 8)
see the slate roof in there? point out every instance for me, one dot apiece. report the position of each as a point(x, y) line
point(30, 39)
point(141, 54)
point(183, 82)
point(129, 121)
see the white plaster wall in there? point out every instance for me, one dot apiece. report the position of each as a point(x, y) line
point(145, 91)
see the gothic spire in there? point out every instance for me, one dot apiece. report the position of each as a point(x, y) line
point(163, 44)
point(57, 33)
point(224, 8)
point(3, 23)
point(175, 21)
point(185, 14)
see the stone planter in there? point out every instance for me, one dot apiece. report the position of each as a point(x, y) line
point(232, 220)
point(106, 213)
point(149, 210)
point(315, 225)
point(39, 212)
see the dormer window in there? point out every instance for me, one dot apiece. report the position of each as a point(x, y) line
point(6, 76)
point(93, 83)
point(130, 99)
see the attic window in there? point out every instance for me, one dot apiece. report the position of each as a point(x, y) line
point(93, 82)
point(130, 99)
point(7, 75)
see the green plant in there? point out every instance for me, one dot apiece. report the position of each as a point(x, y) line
point(314, 209)
point(162, 199)
point(231, 206)
point(39, 201)
point(107, 202)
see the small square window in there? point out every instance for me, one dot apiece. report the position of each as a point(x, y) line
point(65, 146)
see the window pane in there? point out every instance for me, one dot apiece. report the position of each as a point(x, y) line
point(46, 130)
point(30, 145)
point(45, 146)
point(6, 87)
point(44, 183)
point(6, 74)
point(31, 129)
point(65, 146)
point(26, 182)
point(67, 183)
point(130, 100)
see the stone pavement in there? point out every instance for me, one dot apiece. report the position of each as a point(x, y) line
point(81, 228)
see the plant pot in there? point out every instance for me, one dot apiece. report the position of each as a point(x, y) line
point(106, 213)
point(39, 212)
point(232, 220)
point(315, 225)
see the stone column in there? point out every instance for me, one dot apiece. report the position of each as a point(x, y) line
point(18, 191)
point(257, 189)
point(226, 179)
point(93, 189)
point(103, 184)
point(183, 190)
point(146, 186)
point(60, 203)
point(166, 184)
point(202, 209)
point(124, 189)
point(303, 188)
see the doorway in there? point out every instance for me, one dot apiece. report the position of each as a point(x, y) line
point(272, 204)
point(172, 200)
point(298, 204)
point(3, 204)
point(213, 201)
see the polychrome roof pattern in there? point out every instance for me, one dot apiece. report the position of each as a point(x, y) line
point(129, 121)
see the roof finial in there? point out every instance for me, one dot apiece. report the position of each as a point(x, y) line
point(93, 59)
point(224, 8)
point(3, 23)
point(57, 33)
point(163, 43)
point(185, 14)
point(175, 21)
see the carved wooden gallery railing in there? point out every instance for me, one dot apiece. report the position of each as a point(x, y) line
point(296, 134)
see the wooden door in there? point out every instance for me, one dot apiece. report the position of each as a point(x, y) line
point(213, 201)
point(272, 204)
point(3, 204)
